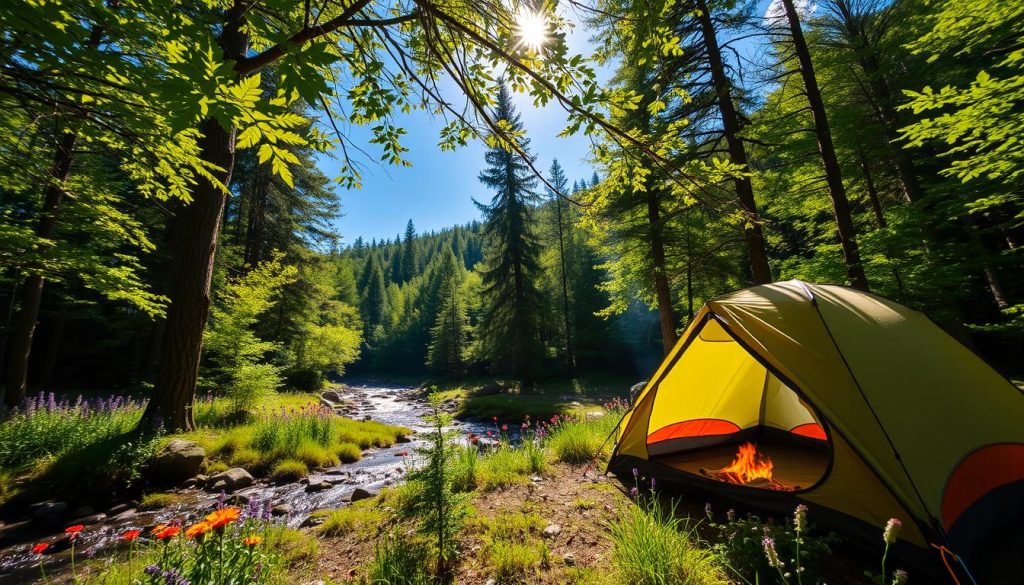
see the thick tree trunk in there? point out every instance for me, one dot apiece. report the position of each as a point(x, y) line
point(753, 235)
point(192, 270)
point(661, 285)
point(195, 245)
point(20, 343)
point(833, 174)
point(570, 356)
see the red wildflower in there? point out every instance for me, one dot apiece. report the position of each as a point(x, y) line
point(74, 529)
point(166, 532)
point(504, 427)
point(223, 517)
point(130, 535)
point(39, 548)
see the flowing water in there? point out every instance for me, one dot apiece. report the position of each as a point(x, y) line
point(393, 405)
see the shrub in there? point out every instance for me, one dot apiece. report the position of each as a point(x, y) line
point(397, 561)
point(514, 562)
point(289, 470)
point(314, 454)
point(654, 547)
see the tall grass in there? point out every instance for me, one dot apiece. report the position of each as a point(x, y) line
point(654, 547)
point(45, 427)
point(582, 439)
point(397, 562)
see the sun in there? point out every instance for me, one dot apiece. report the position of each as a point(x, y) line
point(532, 29)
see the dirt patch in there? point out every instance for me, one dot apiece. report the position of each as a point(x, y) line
point(579, 505)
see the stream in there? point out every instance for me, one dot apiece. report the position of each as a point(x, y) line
point(393, 405)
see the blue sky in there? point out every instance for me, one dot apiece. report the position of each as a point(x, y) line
point(437, 191)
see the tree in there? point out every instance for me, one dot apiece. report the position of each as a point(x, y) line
point(450, 334)
point(375, 300)
point(833, 173)
point(409, 256)
point(509, 334)
point(559, 182)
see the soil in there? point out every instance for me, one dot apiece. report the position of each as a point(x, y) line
point(582, 538)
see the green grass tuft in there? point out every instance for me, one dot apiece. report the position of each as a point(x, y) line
point(289, 470)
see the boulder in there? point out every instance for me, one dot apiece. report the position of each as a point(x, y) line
point(178, 461)
point(117, 509)
point(635, 390)
point(238, 500)
point(129, 514)
point(404, 439)
point(90, 519)
point(231, 480)
point(490, 389)
point(332, 398)
point(362, 494)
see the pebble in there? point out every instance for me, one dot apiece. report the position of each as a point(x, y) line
point(318, 486)
point(282, 510)
point(552, 530)
point(569, 559)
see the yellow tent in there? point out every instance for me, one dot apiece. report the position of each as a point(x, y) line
point(866, 409)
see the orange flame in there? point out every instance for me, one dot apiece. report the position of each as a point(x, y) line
point(748, 466)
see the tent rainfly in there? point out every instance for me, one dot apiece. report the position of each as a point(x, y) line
point(850, 403)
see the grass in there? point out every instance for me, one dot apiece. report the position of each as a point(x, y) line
point(362, 520)
point(584, 504)
point(512, 547)
point(397, 561)
point(583, 440)
point(652, 546)
point(502, 468)
point(280, 439)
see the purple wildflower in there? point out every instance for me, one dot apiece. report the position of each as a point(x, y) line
point(800, 518)
point(899, 577)
point(769, 551)
point(633, 492)
point(892, 530)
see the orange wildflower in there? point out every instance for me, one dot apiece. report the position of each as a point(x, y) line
point(131, 535)
point(198, 529)
point(252, 540)
point(223, 517)
point(166, 532)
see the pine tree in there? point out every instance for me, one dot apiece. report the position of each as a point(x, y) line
point(510, 329)
point(375, 301)
point(410, 257)
point(559, 182)
point(448, 337)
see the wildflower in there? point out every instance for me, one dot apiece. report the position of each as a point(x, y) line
point(489, 433)
point(151, 570)
point(495, 419)
point(653, 483)
point(800, 518)
point(527, 418)
point(131, 535)
point(252, 540)
point(504, 427)
point(39, 548)
point(633, 492)
point(198, 529)
point(892, 530)
point(223, 516)
point(731, 515)
point(636, 473)
point(73, 530)
point(707, 510)
point(769, 551)
point(899, 577)
point(166, 532)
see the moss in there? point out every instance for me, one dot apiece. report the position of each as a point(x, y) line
point(584, 504)
point(158, 500)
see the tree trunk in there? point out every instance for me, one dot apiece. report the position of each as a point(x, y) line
point(195, 245)
point(876, 208)
point(570, 357)
point(192, 270)
point(833, 175)
point(32, 290)
point(661, 286)
point(753, 235)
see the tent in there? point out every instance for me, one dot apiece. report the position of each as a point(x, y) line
point(866, 409)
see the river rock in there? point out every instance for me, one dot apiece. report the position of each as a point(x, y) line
point(129, 514)
point(48, 510)
point(238, 500)
point(196, 482)
point(552, 531)
point(282, 510)
point(90, 519)
point(404, 439)
point(231, 480)
point(569, 559)
point(318, 486)
point(362, 494)
point(178, 461)
point(490, 389)
point(82, 511)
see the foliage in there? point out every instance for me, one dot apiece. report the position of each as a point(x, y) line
point(396, 561)
point(231, 342)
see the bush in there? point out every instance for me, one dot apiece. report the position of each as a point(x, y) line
point(349, 520)
point(503, 467)
point(654, 547)
point(581, 440)
point(348, 452)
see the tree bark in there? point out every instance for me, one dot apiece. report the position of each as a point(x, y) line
point(753, 235)
point(20, 347)
point(833, 174)
point(195, 245)
point(661, 285)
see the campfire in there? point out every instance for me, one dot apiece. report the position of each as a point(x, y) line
point(749, 468)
